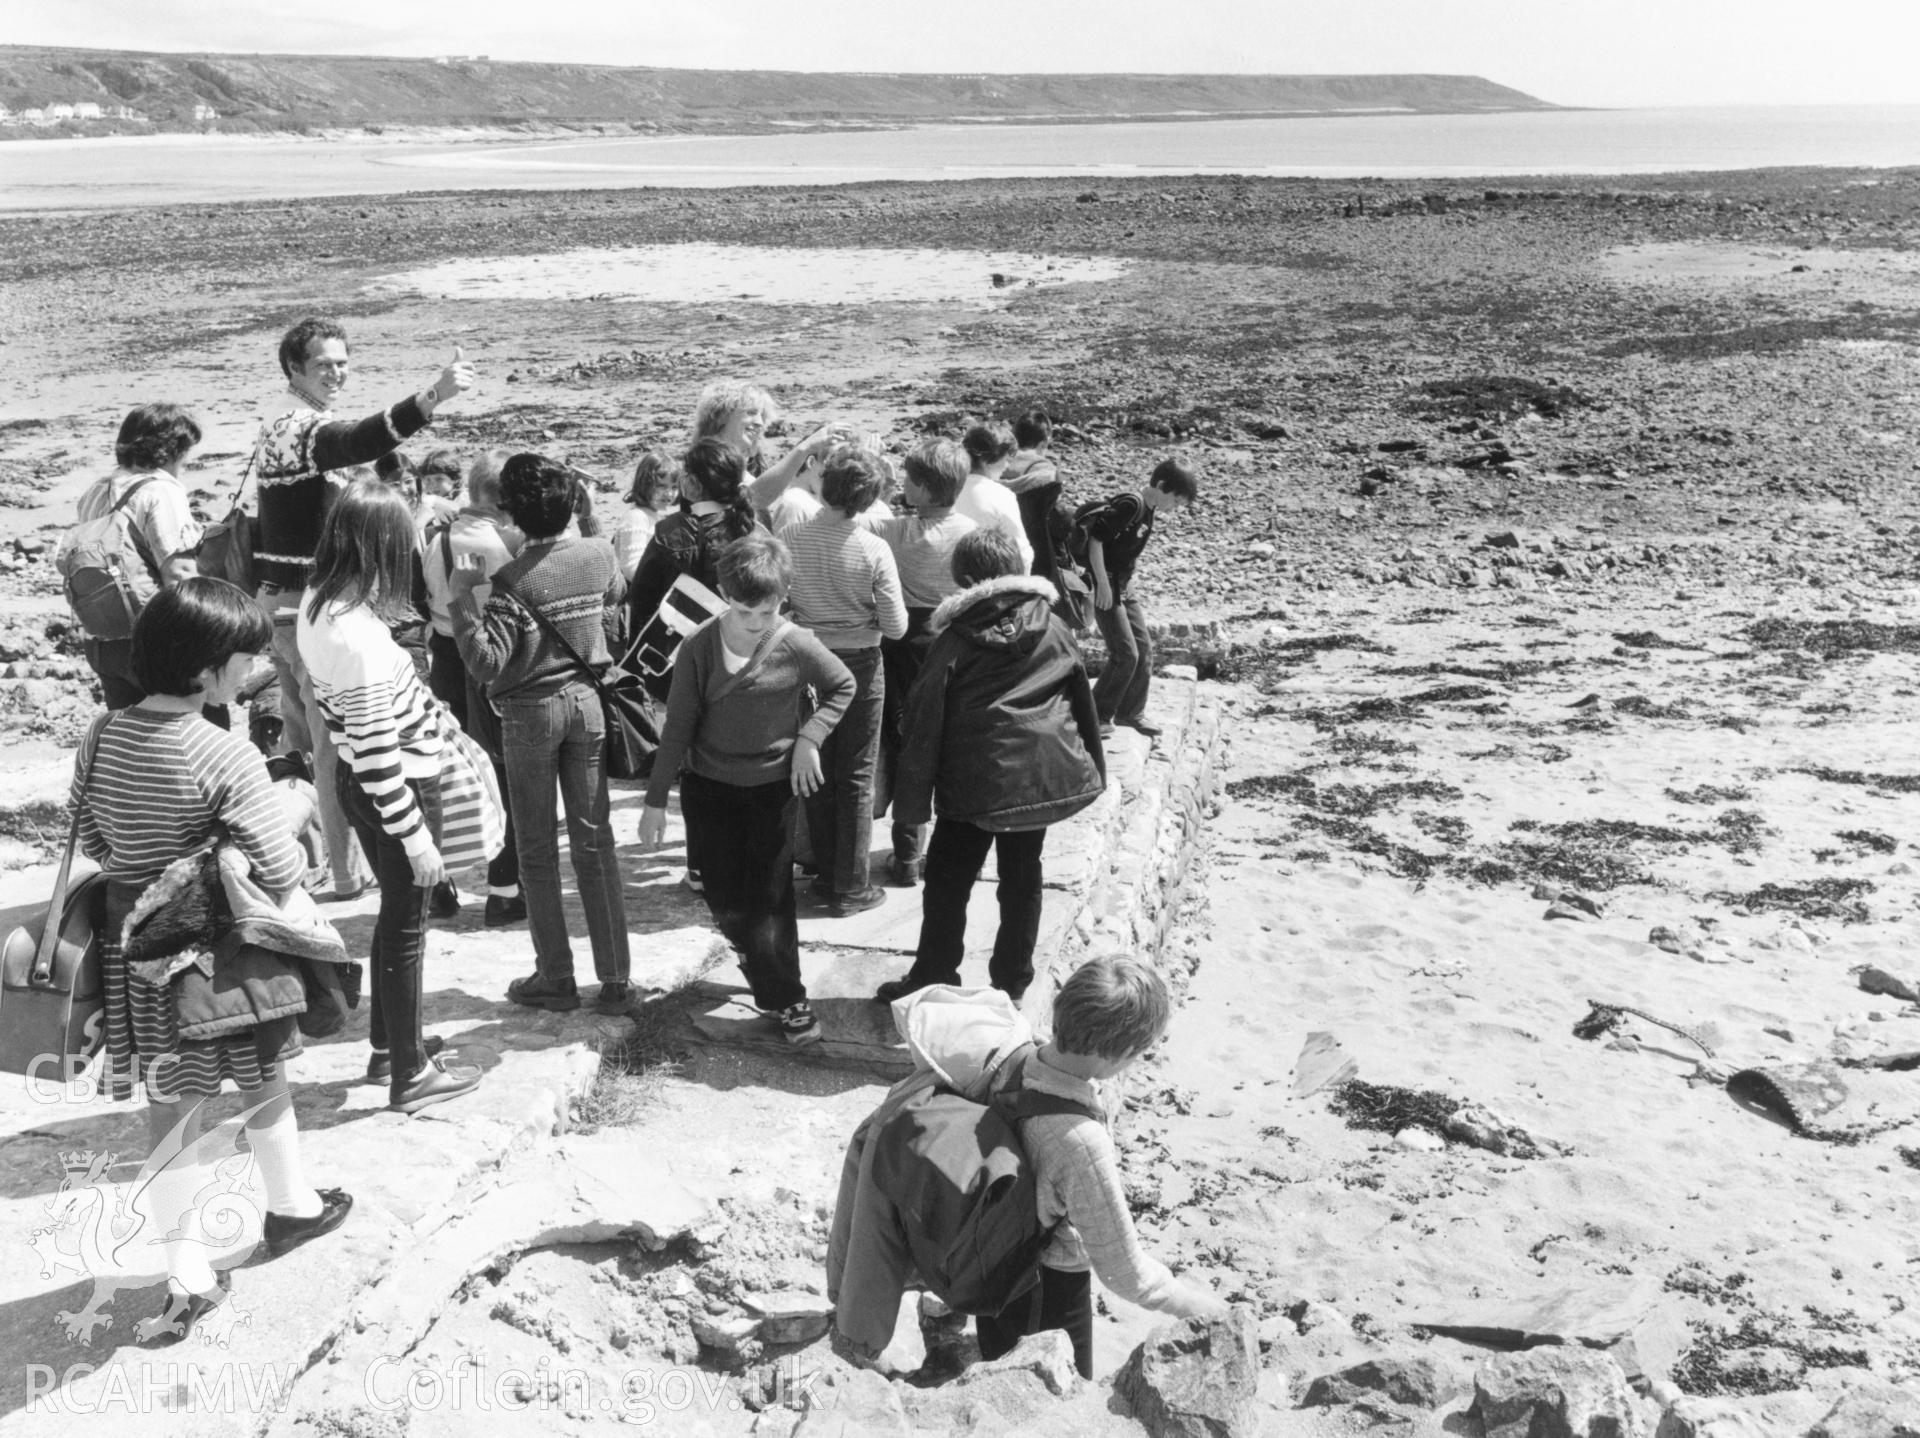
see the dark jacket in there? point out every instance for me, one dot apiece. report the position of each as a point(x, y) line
point(682, 543)
point(1000, 727)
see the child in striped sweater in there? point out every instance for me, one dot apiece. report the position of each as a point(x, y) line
point(846, 589)
point(387, 729)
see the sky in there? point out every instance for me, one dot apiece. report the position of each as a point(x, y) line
point(1570, 52)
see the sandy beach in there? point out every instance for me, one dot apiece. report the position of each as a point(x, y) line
point(1554, 568)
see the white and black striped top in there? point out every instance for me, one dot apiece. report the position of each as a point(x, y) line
point(379, 715)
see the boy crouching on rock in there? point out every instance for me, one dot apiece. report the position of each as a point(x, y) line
point(900, 1220)
point(1109, 1012)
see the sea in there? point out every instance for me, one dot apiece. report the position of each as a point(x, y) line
point(124, 172)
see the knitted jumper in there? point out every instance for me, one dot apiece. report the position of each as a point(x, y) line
point(575, 583)
point(293, 461)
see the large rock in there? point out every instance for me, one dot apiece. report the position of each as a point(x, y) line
point(1634, 1322)
point(1046, 1356)
point(789, 1316)
point(1712, 1418)
point(852, 1403)
point(1877, 1412)
point(1019, 1392)
point(1554, 1392)
point(1414, 1382)
point(1196, 1379)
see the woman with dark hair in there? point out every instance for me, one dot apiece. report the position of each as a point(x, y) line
point(550, 606)
point(153, 783)
point(689, 541)
point(158, 533)
point(389, 732)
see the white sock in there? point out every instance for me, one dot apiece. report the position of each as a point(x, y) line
point(170, 1199)
point(276, 1147)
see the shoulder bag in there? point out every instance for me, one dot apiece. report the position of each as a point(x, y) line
point(633, 729)
point(51, 1001)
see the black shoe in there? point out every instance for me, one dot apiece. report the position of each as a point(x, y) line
point(537, 991)
point(503, 910)
point(284, 1234)
point(434, 1084)
point(613, 998)
point(899, 988)
point(446, 901)
point(1016, 992)
point(182, 1312)
point(905, 873)
point(380, 1061)
point(820, 891)
point(1142, 726)
point(798, 1026)
point(871, 897)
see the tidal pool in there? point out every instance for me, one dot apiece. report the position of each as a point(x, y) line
point(700, 273)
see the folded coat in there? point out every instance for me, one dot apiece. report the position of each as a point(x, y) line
point(231, 956)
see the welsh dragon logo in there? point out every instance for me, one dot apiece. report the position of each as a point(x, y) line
point(114, 1231)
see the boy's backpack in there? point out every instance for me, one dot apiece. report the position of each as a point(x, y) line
point(92, 562)
point(1077, 538)
point(963, 1187)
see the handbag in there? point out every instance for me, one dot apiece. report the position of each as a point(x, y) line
point(472, 818)
point(226, 545)
point(633, 728)
point(51, 1002)
point(686, 605)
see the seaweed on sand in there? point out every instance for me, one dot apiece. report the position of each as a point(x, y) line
point(1829, 637)
point(1357, 801)
point(1647, 639)
point(1893, 783)
point(1871, 840)
point(1709, 794)
point(1715, 1364)
point(1387, 1108)
point(1402, 859)
point(1502, 671)
point(1815, 899)
point(1354, 744)
point(1642, 707)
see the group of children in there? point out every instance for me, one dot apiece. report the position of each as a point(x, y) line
point(431, 658)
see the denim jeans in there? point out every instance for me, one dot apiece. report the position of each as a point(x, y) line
point(840, 811)
point(400, 932)
point(563, 738)
point(901, 659)
point(746, 834)
point(306, 731)
point(953, 863)
point(1120, 693)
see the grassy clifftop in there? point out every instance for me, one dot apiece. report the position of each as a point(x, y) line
point(137, 92)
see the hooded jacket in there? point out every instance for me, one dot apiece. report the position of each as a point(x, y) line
point(1000, 728)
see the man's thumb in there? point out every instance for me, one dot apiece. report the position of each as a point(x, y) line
point(458, 354)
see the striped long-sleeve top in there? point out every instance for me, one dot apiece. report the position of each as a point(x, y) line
point(152, 787)
point(922, 546)
point(379, 715)
point(294, 459)
point(846, 587)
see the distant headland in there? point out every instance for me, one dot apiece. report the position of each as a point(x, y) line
point(65, 91)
